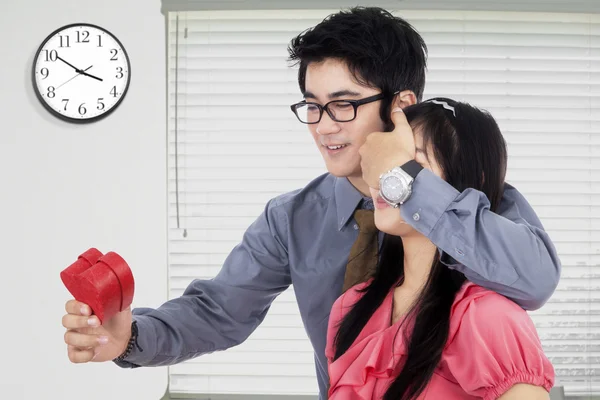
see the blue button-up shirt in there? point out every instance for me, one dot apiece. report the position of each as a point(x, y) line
point(303, 238)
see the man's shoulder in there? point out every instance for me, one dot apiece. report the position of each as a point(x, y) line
point(316, 191)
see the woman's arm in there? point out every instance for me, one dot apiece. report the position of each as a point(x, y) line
point(525, 391)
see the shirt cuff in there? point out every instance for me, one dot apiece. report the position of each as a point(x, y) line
point(144, 352)
point(431, 196)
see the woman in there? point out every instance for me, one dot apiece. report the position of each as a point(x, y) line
point(418, 329)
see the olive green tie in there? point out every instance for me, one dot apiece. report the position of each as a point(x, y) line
point(362, 261)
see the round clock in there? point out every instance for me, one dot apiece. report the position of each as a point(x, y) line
point(81, 73)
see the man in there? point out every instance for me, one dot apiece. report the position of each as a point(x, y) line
point(367, 62)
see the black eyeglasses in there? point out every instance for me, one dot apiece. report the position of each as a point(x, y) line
point(338, 110)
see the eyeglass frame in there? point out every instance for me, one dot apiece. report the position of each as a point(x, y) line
point(325, 107)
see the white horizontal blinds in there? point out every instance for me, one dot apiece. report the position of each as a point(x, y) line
point(572, 6)
point(239, 145)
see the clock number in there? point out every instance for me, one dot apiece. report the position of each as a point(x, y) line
point(114, 91)
point(66, 101)
point(85, 35)
point(45, 72)
point(99, 40)
point(51, 55)
point(100, 104)
point(114, 53)
point(119, 73)
point(82, 109)
point(51, 93)
point(65, 39)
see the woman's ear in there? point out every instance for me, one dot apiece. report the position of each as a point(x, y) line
point(404, 99)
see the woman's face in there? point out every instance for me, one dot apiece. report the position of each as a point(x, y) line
point(388, 219)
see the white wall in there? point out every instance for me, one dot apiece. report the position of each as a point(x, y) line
point(66, 188)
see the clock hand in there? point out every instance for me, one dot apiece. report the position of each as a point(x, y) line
point(79, 73)
point(91, 76)
point(69, 64)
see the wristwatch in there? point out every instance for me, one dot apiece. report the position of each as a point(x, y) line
point(395, 186)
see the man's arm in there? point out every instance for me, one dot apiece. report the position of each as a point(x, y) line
point(507, 252)
point(222, 312)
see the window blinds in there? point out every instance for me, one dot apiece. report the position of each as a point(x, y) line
point(233, 144)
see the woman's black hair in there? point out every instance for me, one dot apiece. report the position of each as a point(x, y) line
point(468, 146)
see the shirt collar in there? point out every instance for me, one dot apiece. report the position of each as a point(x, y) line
point(347, 198)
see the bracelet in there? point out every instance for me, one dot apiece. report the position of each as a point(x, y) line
point(132, 342)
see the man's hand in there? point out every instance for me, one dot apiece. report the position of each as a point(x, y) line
point(383, 151)
point(87, 340)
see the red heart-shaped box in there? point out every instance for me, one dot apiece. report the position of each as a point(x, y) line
point(104, 282)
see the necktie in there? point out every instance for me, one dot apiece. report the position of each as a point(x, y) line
point(363, 257)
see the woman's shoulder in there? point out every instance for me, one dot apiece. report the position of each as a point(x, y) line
point(484, 299)
point(340, 308)
point(484, 311)
point(500, 342)
point(345, 301)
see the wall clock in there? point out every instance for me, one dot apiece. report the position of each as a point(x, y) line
point(81, 73)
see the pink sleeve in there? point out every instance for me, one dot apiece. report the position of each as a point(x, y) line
point(494, 345)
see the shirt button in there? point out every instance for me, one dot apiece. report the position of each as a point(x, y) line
point(355, 226)
point(416, 216)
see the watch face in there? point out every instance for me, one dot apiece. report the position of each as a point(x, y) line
point(81, 73)
point(393, 188)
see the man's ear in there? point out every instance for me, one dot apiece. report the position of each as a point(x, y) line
point(404, 99)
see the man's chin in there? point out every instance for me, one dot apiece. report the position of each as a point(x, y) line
point(339, 172)
point(343, 172)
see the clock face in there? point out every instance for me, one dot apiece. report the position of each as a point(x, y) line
point(81, 73)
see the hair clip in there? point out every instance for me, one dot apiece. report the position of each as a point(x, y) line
point(445, 105)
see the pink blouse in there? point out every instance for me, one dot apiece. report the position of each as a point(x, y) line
point(492, 345)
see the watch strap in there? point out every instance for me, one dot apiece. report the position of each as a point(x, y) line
point(412, 168)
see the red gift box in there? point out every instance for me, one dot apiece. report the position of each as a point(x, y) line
point(104, 282)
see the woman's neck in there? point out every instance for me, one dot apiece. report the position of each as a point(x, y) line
point(418, 257)
point(419, 252)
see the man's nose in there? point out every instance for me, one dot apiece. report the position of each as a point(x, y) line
point(327, 125)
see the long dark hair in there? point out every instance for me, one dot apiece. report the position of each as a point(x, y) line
point(469, 147)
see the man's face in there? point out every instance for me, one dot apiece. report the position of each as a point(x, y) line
point(331, 80)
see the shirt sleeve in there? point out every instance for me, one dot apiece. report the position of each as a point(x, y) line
point(495, 346)
point(219, 313)
point(508, 252)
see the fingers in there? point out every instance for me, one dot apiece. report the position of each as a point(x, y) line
point(71, 321)
point(399, 118)
point(77, 307)
point(84, 341)
point(402, 126)
point(80, 355)
point(82, 344)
